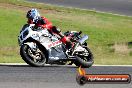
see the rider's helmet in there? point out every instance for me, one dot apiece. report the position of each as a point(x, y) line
point(33, 14)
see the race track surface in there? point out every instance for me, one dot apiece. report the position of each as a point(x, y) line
point(24, 76)
point(123, 7)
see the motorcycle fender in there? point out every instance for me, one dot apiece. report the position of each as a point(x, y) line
point(31, 45)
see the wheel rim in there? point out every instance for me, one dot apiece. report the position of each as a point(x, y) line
point(84, 59)
point(34, 57)
point(87, 57)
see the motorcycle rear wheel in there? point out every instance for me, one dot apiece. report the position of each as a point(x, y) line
point(83, 61)
point(24, 52)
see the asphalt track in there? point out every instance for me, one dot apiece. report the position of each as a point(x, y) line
point(123, 7)
point(24, 76)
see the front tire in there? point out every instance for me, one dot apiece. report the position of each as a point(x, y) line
point(39, 62)
point(84, 61)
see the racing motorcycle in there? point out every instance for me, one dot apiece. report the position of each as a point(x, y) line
point(39, 47)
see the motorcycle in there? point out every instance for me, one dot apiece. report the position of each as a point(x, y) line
point(39, 47)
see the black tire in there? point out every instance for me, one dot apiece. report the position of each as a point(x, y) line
point(83, 63)
point(28, 59)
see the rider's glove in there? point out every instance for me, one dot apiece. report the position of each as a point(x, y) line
point(42, 22)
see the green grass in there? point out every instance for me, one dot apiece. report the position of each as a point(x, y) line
point(10, 22)
point(103, 29)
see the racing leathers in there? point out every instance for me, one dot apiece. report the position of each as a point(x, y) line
point(45, 23)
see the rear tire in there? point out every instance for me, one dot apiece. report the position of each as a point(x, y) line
point(30, 60)
point(88, 62)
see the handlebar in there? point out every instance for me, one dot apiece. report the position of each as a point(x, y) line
point(80, 32)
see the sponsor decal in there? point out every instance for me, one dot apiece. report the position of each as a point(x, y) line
point(83, 78)
point(54, 43)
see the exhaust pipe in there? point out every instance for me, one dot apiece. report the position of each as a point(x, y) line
point(83, 39)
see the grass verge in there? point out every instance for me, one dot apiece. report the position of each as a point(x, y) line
point(103, 30)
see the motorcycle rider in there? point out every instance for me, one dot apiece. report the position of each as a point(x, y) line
point(34, 17)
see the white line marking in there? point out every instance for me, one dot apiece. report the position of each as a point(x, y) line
point(13, 64)
point(114, 65)
point(62, 65)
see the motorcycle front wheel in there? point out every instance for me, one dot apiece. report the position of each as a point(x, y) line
point(33, 58)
